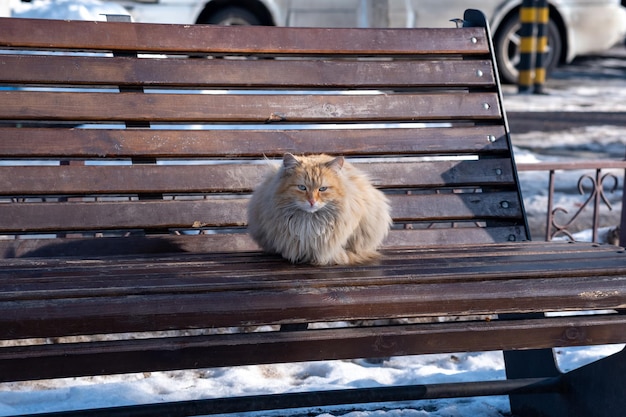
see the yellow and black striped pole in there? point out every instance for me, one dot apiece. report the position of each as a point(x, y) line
point(543, 14)
point(534, 16)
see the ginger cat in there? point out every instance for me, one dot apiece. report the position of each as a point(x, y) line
point(320, 210)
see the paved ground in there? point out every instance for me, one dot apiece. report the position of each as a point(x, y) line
point(607, 66)
point(522, 122)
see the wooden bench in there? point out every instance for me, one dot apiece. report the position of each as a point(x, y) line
point(129, 152)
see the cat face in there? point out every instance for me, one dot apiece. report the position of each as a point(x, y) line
point(313, 184)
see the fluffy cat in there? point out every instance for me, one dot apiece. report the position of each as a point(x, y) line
point(320, 210)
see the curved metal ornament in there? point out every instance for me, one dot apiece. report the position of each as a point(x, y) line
point(597, 195)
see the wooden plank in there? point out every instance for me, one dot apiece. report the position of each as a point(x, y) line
point(138, 214)
point(246, 270)
point(445, 173)
point(132, 179)
point(129, 179)
point(114, 36)
point(130, 245)
point(155, 214)
point(197, 279)
point(456, 207)
point(72, 278)
point(66, 360)
point(434, 260)
point(56, 248)
point(500, 289)
point(161, 311)
point(230, 242)
point(114, 143)
point(220, 73)
point(455, 236)
point(199, 108)
point(222, 272)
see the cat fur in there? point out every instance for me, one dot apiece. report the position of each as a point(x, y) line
point(321, 210)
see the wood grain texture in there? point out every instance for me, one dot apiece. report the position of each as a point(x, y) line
point(236, 177)
point(23, 363)
point(189, 214)
point(228, 143)
point(219, 73)
point(113, 36)
point(267, 108)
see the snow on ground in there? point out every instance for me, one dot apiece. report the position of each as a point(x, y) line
point(564, 96)
point(43, 396)
point(77, 393)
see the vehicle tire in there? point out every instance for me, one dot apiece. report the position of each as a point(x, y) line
point(507, 48)
point(231, 16)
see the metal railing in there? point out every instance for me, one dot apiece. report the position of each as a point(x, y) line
point(597, 178)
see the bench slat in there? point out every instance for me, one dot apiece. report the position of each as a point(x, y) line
point(50, 217)
point(217, 73)
point(129, 179)
point(113, 36)
point(465, 286)
point(235, 242)
point(198, 108)
point(245, 271)
point(76, 316)
point(66, 360)
point(113, 143)
point(455, 236)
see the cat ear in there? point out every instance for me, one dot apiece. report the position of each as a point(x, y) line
point(290, 161)
point(336, 163)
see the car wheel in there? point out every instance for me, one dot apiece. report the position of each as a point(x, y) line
point(507, 48)
point(231, 16)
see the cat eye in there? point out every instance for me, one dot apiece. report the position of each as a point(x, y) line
point(323, 189)
point(302, 187)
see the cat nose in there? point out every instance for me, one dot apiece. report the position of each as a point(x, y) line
point(311, 201)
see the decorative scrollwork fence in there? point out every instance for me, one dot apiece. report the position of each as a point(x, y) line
point(598, 179)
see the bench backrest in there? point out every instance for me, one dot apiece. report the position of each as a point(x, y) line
point(158, 133)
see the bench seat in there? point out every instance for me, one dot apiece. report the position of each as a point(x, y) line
point(225, 290)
